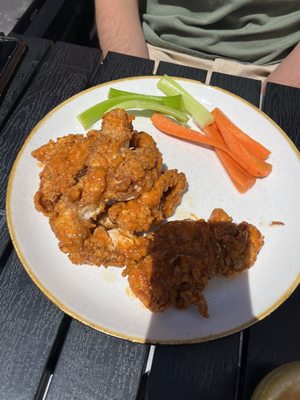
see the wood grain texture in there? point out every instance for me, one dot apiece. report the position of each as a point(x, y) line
point(28, 321)
point(272, 342)
point(200, 371)
point(4, 235)
point(36, 50)
point(282, 104)
point(54, 83)
point(28, 325)
point(269, 341)
point(72, 55)
point(248, 89)
point(116, 66)
point(93, 365)
point(181, 71)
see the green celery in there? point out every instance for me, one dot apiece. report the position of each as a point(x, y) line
point(153, 106)
point(93, 114)
point(169, 101)
point(200, 114)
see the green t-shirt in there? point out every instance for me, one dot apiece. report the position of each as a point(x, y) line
point(250, 31)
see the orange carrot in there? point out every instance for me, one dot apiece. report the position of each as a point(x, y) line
point(250, 163)
point(251, 145)
point(241, 179)
point(234, 144)
point(172, 128)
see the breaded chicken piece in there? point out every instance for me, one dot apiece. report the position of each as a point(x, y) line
point(180, 260)
point(239, 244)
point(113, 247)
point(64, 162)
point(153, 206)
point(131, 160)
point(86, 243)
point(71, 230)
point(183, 256)
point(84, 176)
point(114, 164)
point(103, 192)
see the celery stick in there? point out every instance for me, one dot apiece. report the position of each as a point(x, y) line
point(200, 114)
point(88, 117)
point(151, 105)
point(169, 101)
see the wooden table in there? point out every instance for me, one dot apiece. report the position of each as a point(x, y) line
point(43, 350)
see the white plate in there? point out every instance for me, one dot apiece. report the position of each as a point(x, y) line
point(100, 297)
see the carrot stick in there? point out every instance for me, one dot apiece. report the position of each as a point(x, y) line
point(251, 145)
point(252, 164)
point(241, 179)
point(171, 127)
point(238, 148)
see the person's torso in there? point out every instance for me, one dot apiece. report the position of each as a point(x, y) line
point(254, 31)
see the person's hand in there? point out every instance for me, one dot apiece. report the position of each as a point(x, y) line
point(288, 71)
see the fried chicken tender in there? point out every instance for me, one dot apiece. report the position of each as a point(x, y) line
point(131, 160)
point(239, 244)
point(85, 242)
point(180, 260)
point(84, 176)
point(105, 191)
point(64, 162)
point(153, 206)
point(183, 256)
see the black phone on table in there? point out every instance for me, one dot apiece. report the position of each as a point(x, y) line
point(11, 52)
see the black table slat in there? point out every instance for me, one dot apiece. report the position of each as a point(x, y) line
point(116, 66)
point(282, 104)
point(182, 71)
point(94, 365)
point(53, 84)
point(201, 371)
point(4, 236)
point(36, 50)
point(28, 325)
point(269, 343)
point(36, 47)
point(248, 89)
point(85, 58)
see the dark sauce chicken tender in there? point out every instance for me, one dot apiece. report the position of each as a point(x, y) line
point(182, 257)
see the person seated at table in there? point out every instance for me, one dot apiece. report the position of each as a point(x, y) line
point(252, 38)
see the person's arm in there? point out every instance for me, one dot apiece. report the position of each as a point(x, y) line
point(119, 27)
point(288, 71)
